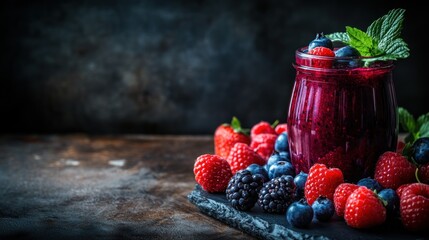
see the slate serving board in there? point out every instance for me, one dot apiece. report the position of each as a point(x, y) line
point(275, 226)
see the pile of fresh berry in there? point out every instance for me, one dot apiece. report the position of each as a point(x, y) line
point(255, 170)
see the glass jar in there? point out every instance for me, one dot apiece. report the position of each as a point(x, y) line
point(342, 113)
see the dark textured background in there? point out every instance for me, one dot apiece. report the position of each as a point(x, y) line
point(172, 67)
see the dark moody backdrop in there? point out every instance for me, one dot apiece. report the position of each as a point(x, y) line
point(173, 67)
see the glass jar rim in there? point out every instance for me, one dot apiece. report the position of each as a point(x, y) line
point(301, 54)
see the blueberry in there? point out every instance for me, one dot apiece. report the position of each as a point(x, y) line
point(281, 168)
point(275, 157)
point(420, 150)
point(323, 209)
point(370, 183)
point(299, 181)
point(321, 41)
point(391, 199)
point(257, 169)
point(285, 156)
point(299, 214)
point(347, 52)
point(282, 144)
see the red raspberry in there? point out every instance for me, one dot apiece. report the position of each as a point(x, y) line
point(321, 62)
point(261, 127)
point(241, 156)
point(322, 181)
point(263, 144)
point(341, 194)
point(212, 173)
point(424, 173)
point(335, 159)
point(364, 209)
point(226, 135)
point(414, 207)
point(392, 170)
point(282, 127)
point(401, 188)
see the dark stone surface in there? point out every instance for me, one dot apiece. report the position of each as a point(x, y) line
point(105, 187)
point(275, 226)
point(145, 66)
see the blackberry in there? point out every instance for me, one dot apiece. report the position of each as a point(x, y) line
point(243, 188)
point(277, 194)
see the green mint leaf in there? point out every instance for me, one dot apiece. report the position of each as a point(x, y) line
point(392, 24)
point(424, 130)
point(387, 27)
point(375, 28)
point(407, 121)
point(387, 30)
point(422, 120)
point(397, 48)
point(339, 37)
point(364, 43)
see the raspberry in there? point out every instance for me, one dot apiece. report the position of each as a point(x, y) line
point(341, 194)
point(263, 144)
point(282, 127)
point(241, 156)
point(335, 159)
point(321, 62)
point(414, 207)
point(401, 189)
point(364, 209)
point(392, 170)
point(212, 173)
point(261, 127)
point(277, 194)
point(243, 189)
point(322, 181)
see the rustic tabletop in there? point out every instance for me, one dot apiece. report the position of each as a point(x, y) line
point(103, 187)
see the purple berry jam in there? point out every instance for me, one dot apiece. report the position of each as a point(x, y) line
point(344, 116)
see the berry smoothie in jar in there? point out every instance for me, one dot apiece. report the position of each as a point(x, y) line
point(343, 110)
point(340, 115)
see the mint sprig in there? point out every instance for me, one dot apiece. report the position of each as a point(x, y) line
point(381, 40)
